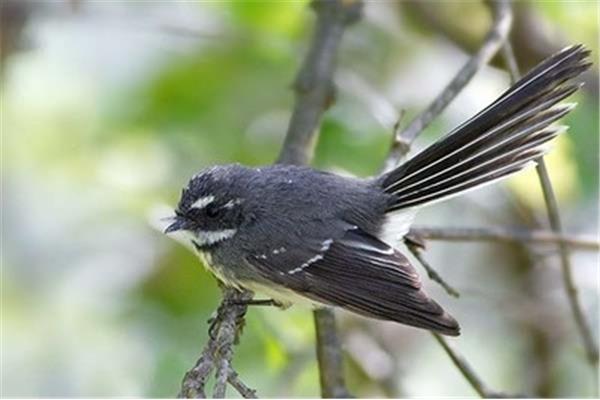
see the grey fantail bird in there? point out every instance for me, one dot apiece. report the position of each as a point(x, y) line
point(294, 232)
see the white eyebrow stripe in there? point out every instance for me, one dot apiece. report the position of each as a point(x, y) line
point(203, 202)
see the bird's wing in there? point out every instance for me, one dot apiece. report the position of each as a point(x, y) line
point(357, 272)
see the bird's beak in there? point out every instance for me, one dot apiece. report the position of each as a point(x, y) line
point(178, 224)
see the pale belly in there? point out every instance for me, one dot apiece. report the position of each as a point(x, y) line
point(284, 296)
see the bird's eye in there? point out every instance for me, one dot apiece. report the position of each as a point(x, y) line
point(211, 211)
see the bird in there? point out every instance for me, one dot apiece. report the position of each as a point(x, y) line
point(298, 234)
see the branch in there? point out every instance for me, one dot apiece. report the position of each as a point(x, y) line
point(235, 381)
point(514, 235)
point(459, 361)
point(431, 272)
point(329, 355)
point(468, 372)
point(497, 35)
point(218, 352)
point(314, 93)
point(314, 82)
point(556, 225)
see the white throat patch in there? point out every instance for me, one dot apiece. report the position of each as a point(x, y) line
point(205, 238)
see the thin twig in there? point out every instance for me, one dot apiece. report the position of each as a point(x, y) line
point(583, 327)
point(468, 372)
point(314, 93)
point(515, 235)
point(235, 381)
point(502, 20)
point(459, 361)
point(431, 272)
point(194, 380)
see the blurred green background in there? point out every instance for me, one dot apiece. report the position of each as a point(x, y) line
point(109, 107)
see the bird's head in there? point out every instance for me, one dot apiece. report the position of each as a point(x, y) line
point(211, 206)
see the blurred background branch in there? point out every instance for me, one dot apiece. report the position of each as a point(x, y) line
point(492, 43)
point(468, 372)
point(500, 234)
point(532, 37)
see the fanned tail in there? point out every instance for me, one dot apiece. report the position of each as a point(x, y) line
point(504, 138)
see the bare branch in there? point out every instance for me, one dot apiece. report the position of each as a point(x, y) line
point(314, 84)
point(315, 92)
point(468, 372)
point(218, 352)
point(514, 235)
point(556, 226)
point(329, 356)
point(497, 35)
point(459, 361)
point(230, 319)
point(431, 272)
point(235, 381)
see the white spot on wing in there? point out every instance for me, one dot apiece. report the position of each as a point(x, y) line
point(326, 245)
point(307, 264)
point(279, 250)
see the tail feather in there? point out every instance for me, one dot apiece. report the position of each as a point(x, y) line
point(502, 139)
point(505, 156)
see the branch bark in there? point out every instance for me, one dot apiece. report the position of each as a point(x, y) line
point(511, 235)
point(315, 92)
point(313, 85)
point(218, 352)
point(329, 355)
